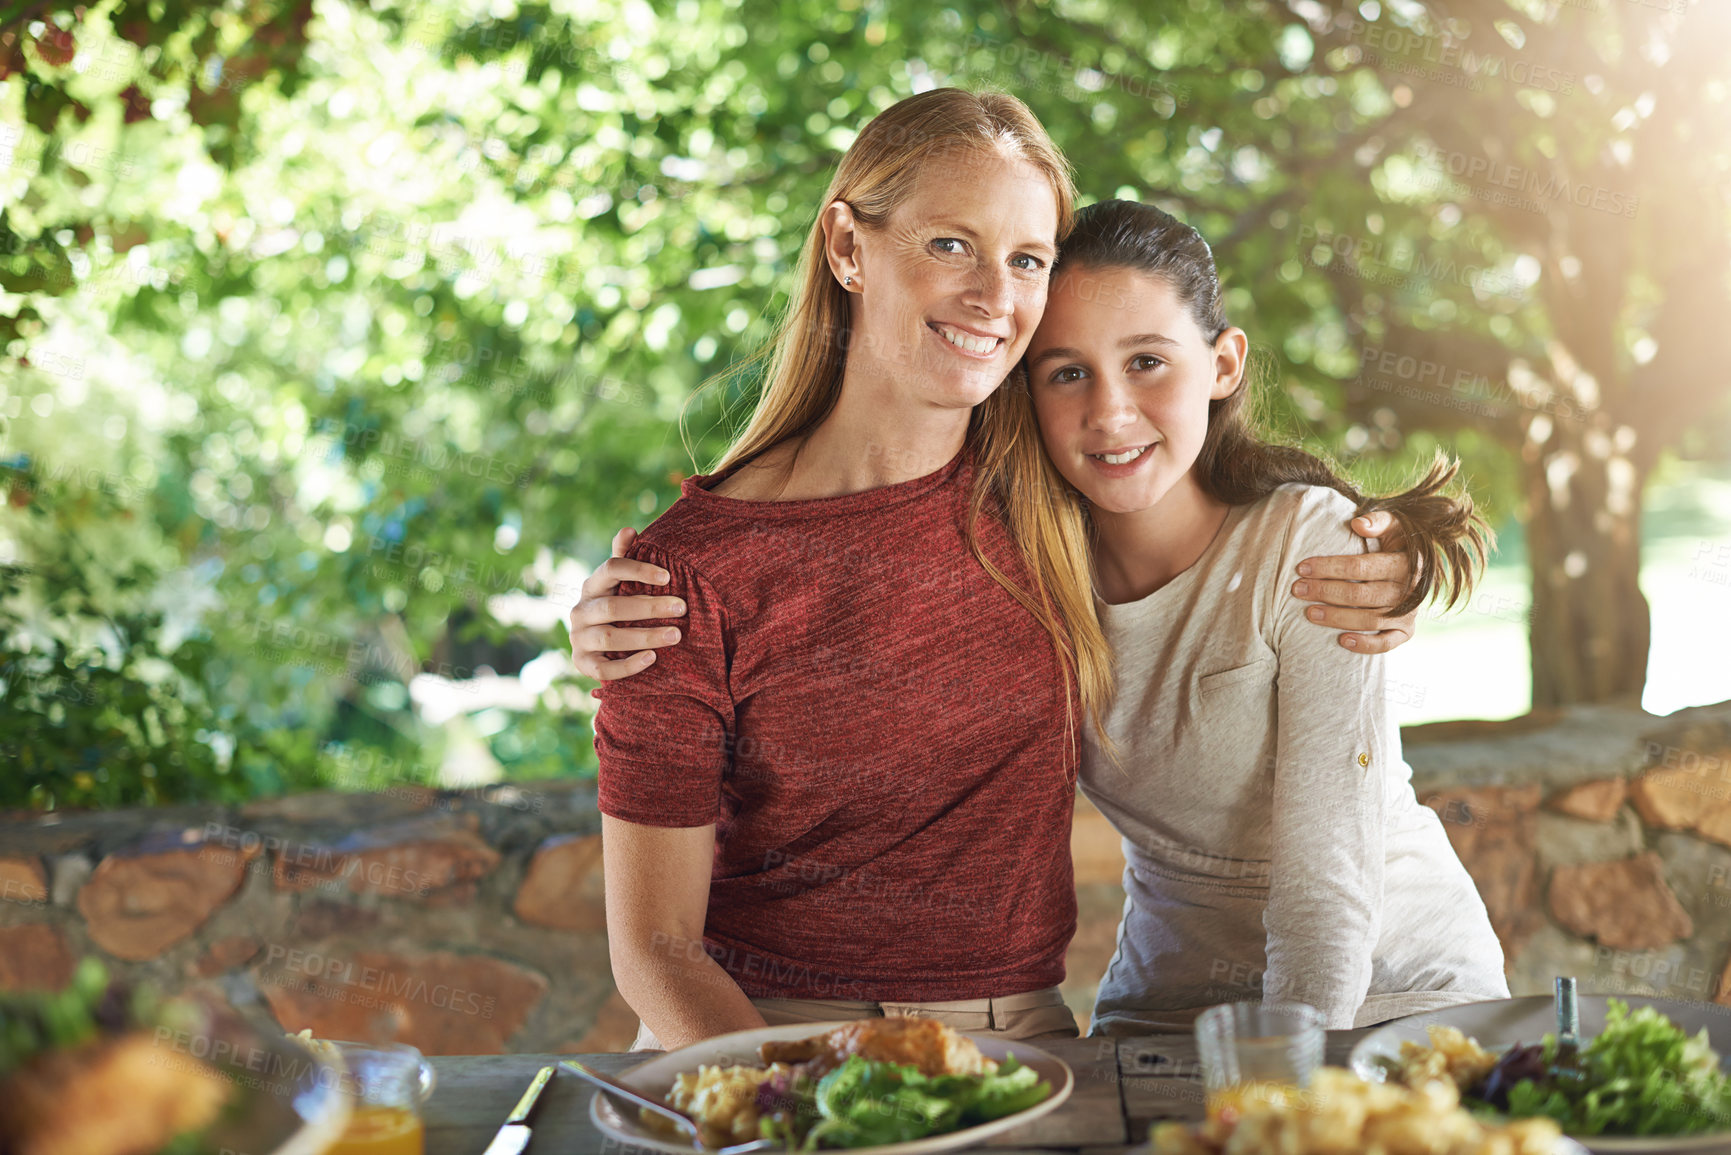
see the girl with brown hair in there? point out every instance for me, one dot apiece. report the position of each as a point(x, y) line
point(1274, 843)
point(848, 790)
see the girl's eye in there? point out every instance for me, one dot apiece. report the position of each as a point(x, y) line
point(1067, 374)
point(1146, 361)
point(942, 241)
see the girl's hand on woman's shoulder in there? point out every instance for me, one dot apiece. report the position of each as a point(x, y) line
point(1355, 591)
point(592, 621)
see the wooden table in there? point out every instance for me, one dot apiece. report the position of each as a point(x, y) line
point(1122, 1086)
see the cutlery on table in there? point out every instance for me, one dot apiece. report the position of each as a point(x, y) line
point(1568, 1013)
point(679, 1119)
point(514, 1135)
point(1568, 1064)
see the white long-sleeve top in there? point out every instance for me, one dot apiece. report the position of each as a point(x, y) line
point(1275, 847)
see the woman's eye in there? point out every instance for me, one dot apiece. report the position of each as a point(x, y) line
point(1034, 263)
point(1145, 361)
point(942, 241)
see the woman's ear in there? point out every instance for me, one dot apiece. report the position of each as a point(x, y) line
point(840, 244)
point(1231, 358)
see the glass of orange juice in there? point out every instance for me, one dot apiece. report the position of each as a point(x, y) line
point(1253, 1051)
point(389, 1082)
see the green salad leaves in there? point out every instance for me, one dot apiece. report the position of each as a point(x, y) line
point(34, 1021)
point(1642, 1075)
point(866, 1104)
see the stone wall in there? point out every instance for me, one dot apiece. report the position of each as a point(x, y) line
point(461, 922)
point(472, 922)
point(1600, 840)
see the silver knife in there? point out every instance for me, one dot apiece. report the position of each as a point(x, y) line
point(514, 1135)
point(1568, 1013)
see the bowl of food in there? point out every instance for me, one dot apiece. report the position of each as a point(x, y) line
point(106, 1067)
point(1336, 1111)
point(910, 1084)
point(1646, 1076)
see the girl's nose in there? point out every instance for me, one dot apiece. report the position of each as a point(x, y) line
point(1109, 407)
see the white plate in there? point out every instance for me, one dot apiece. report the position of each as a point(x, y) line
point(655, 1078)
point(1501, 1023)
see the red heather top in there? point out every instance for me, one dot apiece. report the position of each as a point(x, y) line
point(876, 727)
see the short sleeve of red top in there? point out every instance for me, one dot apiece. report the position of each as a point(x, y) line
point(876, 728)
point(667, 769)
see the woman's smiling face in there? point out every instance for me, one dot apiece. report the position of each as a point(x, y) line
point(1121, 378)
point(953, 283)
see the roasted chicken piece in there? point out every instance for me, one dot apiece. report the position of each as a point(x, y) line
point(923, 1043)
point(113, 1096)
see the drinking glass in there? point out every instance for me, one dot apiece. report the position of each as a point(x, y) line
point(1257, 1051)
point(389, 1081)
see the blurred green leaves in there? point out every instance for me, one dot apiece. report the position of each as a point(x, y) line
point(328, 325)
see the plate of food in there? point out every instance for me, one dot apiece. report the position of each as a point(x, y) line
point(1647, 1074)
point(1337, 1111)
point(908, 1084)
point(104, 1066)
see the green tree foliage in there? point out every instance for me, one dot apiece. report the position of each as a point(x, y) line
point(328, 325)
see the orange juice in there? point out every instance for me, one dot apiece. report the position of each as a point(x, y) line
point(1226, 1104)
point(381, 1131)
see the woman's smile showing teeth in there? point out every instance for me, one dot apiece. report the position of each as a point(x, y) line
point(968, 342)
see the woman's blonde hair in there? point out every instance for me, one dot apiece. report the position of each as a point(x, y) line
point(1012, 476)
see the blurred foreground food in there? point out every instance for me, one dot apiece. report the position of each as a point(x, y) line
point(85, 1071)
point(1339, 1112)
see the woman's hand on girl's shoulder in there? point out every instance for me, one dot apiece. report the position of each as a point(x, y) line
point(1355, 591)
point(592, 622)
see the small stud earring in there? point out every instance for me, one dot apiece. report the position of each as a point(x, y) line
point(847, 280)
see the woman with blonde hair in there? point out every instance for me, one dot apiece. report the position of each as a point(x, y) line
point(848, 790)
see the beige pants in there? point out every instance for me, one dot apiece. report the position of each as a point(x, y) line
point(1030, 1015)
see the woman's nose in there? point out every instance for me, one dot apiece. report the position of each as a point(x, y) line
point(994, 293)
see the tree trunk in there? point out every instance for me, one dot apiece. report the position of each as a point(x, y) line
point(1590, 625)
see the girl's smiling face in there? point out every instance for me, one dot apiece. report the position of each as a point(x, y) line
point(1121, 378)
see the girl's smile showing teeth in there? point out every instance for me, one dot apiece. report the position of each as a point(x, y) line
point(1123, 457)
point(968, 342)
